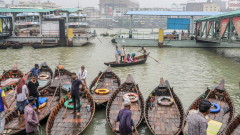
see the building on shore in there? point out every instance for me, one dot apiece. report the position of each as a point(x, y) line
point(178, 7)
point(194, 6)
point(211, 7)
point(233, 4)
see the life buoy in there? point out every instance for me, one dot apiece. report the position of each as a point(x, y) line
point(218, 108)
point(102, 91)
point(169, 103)
point(43, 76)
point(66, 104)
point(132, 96)
point(41, 106)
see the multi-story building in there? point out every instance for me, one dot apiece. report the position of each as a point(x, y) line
point(194, 7)
point(234, 4)
point(2, 4)
point(115, 8)
point(221, 3)
point(92, 13)
point(33, 4)
point(211, 7)
point(178, 7)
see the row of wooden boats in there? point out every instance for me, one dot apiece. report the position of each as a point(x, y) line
point(17, 45)
point(162, 111)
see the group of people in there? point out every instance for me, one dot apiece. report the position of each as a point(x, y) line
point(127, 58)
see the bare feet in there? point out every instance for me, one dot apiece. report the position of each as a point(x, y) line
point(78, 114)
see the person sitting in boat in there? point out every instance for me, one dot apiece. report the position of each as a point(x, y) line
point(132, 54)
point(129, 59)
point(82, 75)
point(197, 123)
point(21, 94)
point(143, 51)
point(125, 119)
point(35, 70)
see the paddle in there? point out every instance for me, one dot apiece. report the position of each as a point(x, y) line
point(170, 90)
point(65, 111)
point(99, 39)
point(96, 84)
point(10, 105)
point(152, 58)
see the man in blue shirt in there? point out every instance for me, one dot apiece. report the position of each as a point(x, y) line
point(125, 119)
point(35, 71)
point(75, 93)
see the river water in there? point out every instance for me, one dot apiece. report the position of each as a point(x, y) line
point(189, 70)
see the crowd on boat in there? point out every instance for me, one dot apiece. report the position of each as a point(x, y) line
point(163, 112)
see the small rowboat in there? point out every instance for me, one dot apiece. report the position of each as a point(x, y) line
point(140, 60)
point(107, 81)
point(220, 96)
point(45, 76)
point(62, 76)
point(164, 116)
point(13, 126)
point(129, 87)
point(234, 127)
point(61, 122)
point(11, 77)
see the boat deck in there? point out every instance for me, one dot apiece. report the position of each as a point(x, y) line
point(107, 83)
point(164, 120)
point(71, 124)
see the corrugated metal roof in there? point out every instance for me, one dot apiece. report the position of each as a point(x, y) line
point(27, 10)
point(172, 13)
point(225, 15)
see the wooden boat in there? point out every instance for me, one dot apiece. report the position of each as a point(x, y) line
point(13, 126)
point(61, 122)
point(164, 119)
point(220, 96)
point(105, 80)
point(234, 127)
point(116, 103)
point(3, 46)
point(40, 46)
point(140, 60)
point(62, 76)
point(45, 76)
point(11, 77)
point(16, 45)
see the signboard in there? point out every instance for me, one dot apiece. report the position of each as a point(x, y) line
point(223, 26)
point(50, 28)
point(236, 23)
point(178, 23)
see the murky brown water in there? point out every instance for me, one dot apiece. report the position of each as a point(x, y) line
point(189, 70)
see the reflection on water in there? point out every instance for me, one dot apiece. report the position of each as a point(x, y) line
point(189, 70)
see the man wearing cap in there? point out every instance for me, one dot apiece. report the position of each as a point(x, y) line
point(35, 71)
point(125, 119)
point(197, 123)
point(2, 112)
point(75, 93)
point(31, 119)
point(82, 74)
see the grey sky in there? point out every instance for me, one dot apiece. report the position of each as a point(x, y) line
point(94, 3)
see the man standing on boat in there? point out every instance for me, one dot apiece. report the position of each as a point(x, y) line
point(82, 75)
point(125, 119)
point(197, 123)
point(35, 71)
point(123, 54)
point(143, 51)
point(33, 90)
point(117, 54)
point(31, 119)
point(75, 93)
point(2, 112)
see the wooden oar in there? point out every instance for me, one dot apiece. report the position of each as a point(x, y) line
point(51, 100)
point(152, 58)
point(10, 105)
point(94, 87)
point(168, 86)
point(65, 111)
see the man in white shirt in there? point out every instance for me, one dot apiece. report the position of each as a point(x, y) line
point(82, 75)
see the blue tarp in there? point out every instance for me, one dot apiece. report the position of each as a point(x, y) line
point(178, 23)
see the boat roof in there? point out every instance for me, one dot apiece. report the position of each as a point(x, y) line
point(219, 16)
point(172, 13)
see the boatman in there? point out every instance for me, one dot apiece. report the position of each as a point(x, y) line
point(125, 119)
point(2, 112)
point(82, 75)
point(123, 54)
point(35, 71)
point(31, 119)
point(143, 51)
point(75, 93)
point(197, 123)
point(33, 90)
point(117, 54)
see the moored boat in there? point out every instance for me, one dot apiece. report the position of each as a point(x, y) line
point(138, 60)
point(103, 86)
point(45, 76)
point(40, 46)
point(164, 113)
point(234, 127)
point(62, 76)
point(128, 88)
point(14, 126)
point(223, 112)
point(61, 122)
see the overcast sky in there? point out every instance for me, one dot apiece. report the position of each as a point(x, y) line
point(94, 3)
